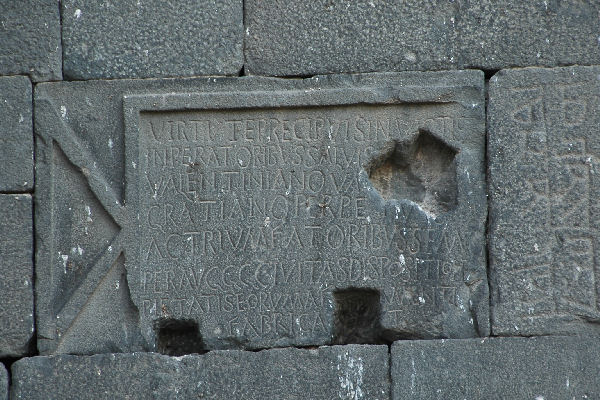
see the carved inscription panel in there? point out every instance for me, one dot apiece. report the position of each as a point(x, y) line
point(249, 220)
point(544, 243)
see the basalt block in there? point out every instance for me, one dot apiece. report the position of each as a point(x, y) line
point(151, 39)
point(544, 153)
point(344, 372)
point(16, 269)
point(3, 383)
point(496, 368)
point(31, 39)
point(255, 212)
point(16, 134)
point(334, 36)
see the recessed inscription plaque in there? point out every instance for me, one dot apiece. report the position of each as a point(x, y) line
point(187, 215)
point(251, 209)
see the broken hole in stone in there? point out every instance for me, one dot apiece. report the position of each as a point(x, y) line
point(422, 170)
point(177, 337)
point(357, 317)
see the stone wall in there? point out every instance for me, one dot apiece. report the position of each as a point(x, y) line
point(275, 199)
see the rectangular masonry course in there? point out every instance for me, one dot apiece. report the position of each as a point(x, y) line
point(151, 38)
point(328, 36)
point(340, 372)
point(16, 272)
point(16, 134)
point(30, 42)
point(496, 368)
point(260, 212)
point(544, 156)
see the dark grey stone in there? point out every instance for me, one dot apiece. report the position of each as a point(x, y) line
point(30, 39)
point(152, 38)
point(3, 383)
point(544, 152)
point(361, 237)
point(341, 372)
point(106, 376)
point(329, 36)
point(16, 272)
point(496, 368)
point(16, 134)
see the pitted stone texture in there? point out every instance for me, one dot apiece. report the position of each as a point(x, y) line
point(496, 368)
point(3, 383)
point(30, 39)
point(340, 372)
point(16, 134)
point(16, 270)
point(155, 38)
point(306, 38)
point(261, 265)
point(106, 376)
point(544, 152)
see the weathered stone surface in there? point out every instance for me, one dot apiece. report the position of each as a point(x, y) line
point(305, 38)
point(496, 368)
point(3, 383)
point(344, 372)
point(544, 151)
point(155, 38)
point(16, 134)
point(16, 270)
point(30, 39)
point(280, 212)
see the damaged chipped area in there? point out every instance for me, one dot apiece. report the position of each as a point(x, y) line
point(422, 170)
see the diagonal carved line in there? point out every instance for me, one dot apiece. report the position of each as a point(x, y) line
point(75, 305)
point(83, 159)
